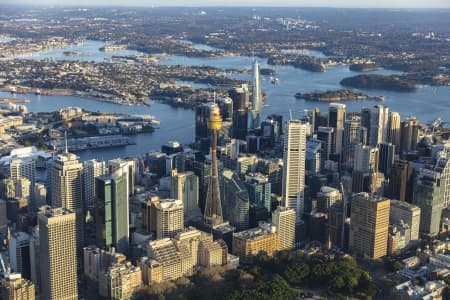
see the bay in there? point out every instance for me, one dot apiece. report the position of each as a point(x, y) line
point(426, 104)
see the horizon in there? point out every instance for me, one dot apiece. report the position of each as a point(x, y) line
point(348, 4)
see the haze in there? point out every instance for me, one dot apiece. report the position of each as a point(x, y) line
point(299, 3)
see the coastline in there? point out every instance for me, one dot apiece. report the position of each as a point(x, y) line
point(83, 95)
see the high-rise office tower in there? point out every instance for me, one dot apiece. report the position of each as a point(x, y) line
point(284, 219)
point(279, 120)
point(294, 161)
point(313, 156)
point(14, 287)
point(169, 217)
point(336, 221)
point(19, 253)
point(443, 167)
point(366, 159)
point(409, 135)
point(24, 168)
point(66, 190)
point(327, 197)
point(369, 225)
point(112, 210)
point(336, 119)
point(58, 254)
point(386, 157)
point(351, 139)
point(429, 196)
point(401, 181)
point(326, 136)
point(40, 194)
point(226, 108)
point(184, 186)
point(259, 189)
point(3, 216)
point(375, 119)
point(394, 129)
point(274, 171)
point(23, 188)
point(91, 169)
point(240, 109)
point(406, 213)
point(257, 104)
point(202, 135)
point(213, 207)
point(131, 165)
point(235, 200)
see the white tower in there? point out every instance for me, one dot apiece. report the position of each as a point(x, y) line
point(256, 95)
point(294, 166)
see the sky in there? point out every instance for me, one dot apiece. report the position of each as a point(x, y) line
point(299, 3)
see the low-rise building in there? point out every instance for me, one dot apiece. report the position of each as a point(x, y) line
point(432, 290)
point(120, 281)
point(251, 242)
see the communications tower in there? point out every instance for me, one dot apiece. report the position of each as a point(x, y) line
point(213, 208)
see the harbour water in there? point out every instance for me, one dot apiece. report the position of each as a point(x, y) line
point(426, 104)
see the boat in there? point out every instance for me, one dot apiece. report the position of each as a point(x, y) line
point(274, 80)
point(37, 92)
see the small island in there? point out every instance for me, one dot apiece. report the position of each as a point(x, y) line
point(336, 95)
point(365, 67)
point(380, 82)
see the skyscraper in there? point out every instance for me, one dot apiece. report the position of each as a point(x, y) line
point(294, 156)
point(406, 213)
point(443, 167)
point(336, 119)
point(91, 169)
point(131, 165)
point(350, 140)
point(284, 219)
point(401, 181)
point(58, 255)
point(235, 200)
point(366, 159)
point(256, 95)
point(240, 118)
point(409, 135)
point(326, 136)
point(386, 157)
point(327, 197)
point(184, 186)
point(169, 218)
point(259, 189)
point(213, 207)
point(202, 135)
point(394, 129)
point(66, 191)
point(369, 225)
point(375, 120)
point(112, 210)
point(429, 196)
point(19, 253)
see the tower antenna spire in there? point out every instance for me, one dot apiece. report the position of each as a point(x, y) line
point(66, 148)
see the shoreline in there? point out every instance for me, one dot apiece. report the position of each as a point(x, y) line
point(79, 94)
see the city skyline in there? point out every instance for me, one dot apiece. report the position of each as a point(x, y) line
point(248, 3)
point(147, 154)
